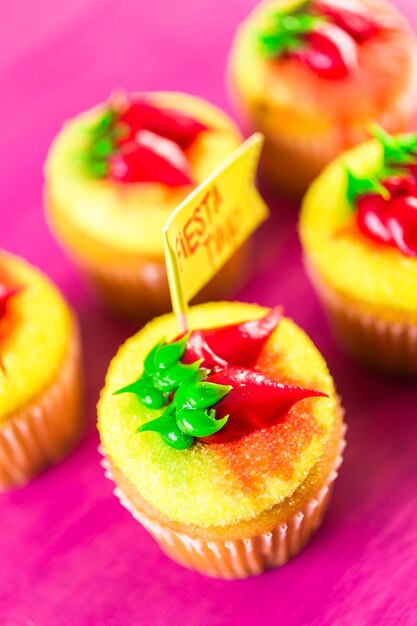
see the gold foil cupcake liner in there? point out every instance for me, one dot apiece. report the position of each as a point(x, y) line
point(387, 345)
point(44, 431)
point(239, 558)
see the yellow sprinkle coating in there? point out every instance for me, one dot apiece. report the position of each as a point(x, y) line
point(226, 483)
point(371, 274)
point(34, 349)
point(127, 218)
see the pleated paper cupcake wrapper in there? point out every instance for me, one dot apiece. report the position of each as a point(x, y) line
point(238, 558)
point(46, 429)
point(135, 290)
point(138, 289)
point(387, 345)
point(291, 161)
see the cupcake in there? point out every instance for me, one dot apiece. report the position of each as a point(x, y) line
point(313, 75)
point(223, 443)
point(113, 177)
point(40, 377)
point(359, 233)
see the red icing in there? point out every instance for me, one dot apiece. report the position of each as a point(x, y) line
point(140, 114)
point(255, 401)
point(351, 16)
point(331, 49)
point(330, 52)
point(149, 143)
point(237, 344)
point(6, 294)
point(391, 221)
point(150, 158)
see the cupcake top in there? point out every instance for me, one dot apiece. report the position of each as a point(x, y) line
point(359, 224)
point(116, 172)
point(236, 440)
point(34, 332)
point(331, 60)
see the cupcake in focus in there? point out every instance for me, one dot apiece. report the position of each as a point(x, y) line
point(223, 443)
point(113, 177)
point(40, 373)
point(359, 233)
point(312, 75)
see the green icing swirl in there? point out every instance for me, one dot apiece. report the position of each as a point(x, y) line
point(398, 151)
point(285, 32)
point(181, 388)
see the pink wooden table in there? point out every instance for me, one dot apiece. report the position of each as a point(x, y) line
point(69, 553)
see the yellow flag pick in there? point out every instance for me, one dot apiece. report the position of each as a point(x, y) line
point(211, 223)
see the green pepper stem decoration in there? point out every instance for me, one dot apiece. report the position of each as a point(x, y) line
point(102, 137)
point(358, 186)
point(285, 32)
point(398, 149)
point(181, 388)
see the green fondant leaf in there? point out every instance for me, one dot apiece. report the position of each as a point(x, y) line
point(199, 423)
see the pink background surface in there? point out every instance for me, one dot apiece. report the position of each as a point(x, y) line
point(69, 553)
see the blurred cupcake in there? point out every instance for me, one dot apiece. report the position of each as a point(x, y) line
point(40, 377)
point(113, 177)
point(359, 233)
point(224, 443)
point(312, 76)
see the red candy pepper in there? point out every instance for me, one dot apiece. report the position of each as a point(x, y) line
point(237, 344)
point(255, 401)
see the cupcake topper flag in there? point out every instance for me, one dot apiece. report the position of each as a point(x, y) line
point(211, 223)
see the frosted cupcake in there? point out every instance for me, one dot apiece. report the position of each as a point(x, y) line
point(40, 377)
point(313, 75)
point(359, 233)
point(113, 177)
point(224, 443)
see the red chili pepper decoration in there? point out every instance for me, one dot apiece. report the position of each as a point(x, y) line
point(141, 114)
point(237, 344)
point(351, 16)
point(255, 401)
point(135, 141)
point(150, 158)
point(324, 35)
point(6, 293)
point(391, 221)
point(330, 52)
